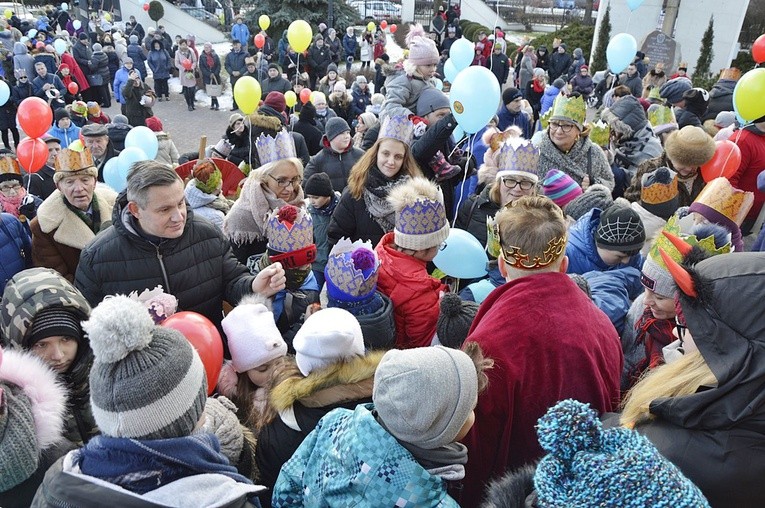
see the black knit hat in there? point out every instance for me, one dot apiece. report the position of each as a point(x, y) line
point(455, 320)
point(620, 229)
point(509, 95)
point(53, 322)
point(319, 184)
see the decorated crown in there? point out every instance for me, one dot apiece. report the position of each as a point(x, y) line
point(207, 175)
point(572, 109)
point(71, 161)
point(661, 115)
point(653, 191)
point(520, 158)
point(397, 127)
point(493, 248)
point(424, 216)
point(289, 230)
point(9, 165)
point(722, 197)
point(544, 120)
point(274, 148)
point(600, 133)
point(351, 270)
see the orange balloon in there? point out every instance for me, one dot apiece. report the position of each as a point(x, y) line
point(725, 162)
point(305, 95)
point(205, 338)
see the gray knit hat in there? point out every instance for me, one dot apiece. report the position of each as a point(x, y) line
point(430, 100)
point(147, 382)
point(335, 126)
point(596, 196)
point(425, 395)
point(455, 320)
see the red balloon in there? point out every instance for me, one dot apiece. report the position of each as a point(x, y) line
point(146, 7)
point(758, 49)
point(35, 116)
point(393, 28)
point(204, 337)
point(305, 95)
point(73, 88)
point(186, 64)
point(32, 154)
point(383, 24)
point(260, 41)
point(40, 45)
point(725, 162)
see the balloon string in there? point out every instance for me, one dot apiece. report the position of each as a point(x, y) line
point(471, 138)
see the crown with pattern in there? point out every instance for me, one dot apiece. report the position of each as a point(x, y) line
point(493, 247)
point(421, 221)
point(351, 271)
point(544, 120)
point(397, 127)
point(72, 161)
point(289, 230)
point(518, 157)
point(600, 133)
point(721, 197)
point(661, 115)
point(571, 109)
point(9, 165)
point(274, 148)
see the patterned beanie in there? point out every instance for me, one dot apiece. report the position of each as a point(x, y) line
point(147, 381)
point(658, 193)
point(253, 337)
point(560, 187)
point(420, 215)
point(596, 196)
point(207, 176)
point(620, 229)
point(289, 230)
point(454, 320)
point(589, 466)
point(55, 321)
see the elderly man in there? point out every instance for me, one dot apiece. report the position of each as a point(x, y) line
point(70, 217)
point(156, 241)
point(97, 140)
point(48, 86)
point(41, 183)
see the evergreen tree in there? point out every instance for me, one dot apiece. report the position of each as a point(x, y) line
point(704, 62)
point(156, 11)
point(604, 35)
point(282, 13)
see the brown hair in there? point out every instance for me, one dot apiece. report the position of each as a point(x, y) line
point(286, 368)
point(482, 364)
point(245, 392)
point(622, 91)
point(357, 179)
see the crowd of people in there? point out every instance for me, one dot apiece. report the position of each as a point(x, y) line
point(610, 355)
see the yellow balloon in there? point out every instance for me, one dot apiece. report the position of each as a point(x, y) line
point(76, 146)
point(8, 14)
point(299, 35)
point(108, 17)
point(371, 26)
point(290, 98)
point(247, 94)
point(264, 21)
point(748, 94)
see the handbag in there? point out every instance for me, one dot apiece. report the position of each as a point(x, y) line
point(214, 89)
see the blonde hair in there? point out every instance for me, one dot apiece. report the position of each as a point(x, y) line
point(265, 170)
point(677, 379)
point(357, 179)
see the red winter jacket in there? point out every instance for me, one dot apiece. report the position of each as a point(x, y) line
point(751, 142)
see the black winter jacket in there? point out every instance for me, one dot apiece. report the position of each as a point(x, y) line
point(352, 220)
point(99, 68)
point(306, 126)
point(336, 165)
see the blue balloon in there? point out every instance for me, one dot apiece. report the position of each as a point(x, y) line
point(462, 53)
point(621, 52)
point(634, 4)
point(450, 71)
point(128, 157)
point(112, 175)
point(458, 133)
point(60, 46)
point(31, 33)
point(474, 106)
point(5, 93)
point(439, 84)
point(462, 256)
point(143, 138)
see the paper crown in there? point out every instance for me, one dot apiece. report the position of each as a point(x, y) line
point(71, 161)
point(519, 158)
point(661, 115)
point(397, 127)
point(274, 148)
point(351, 271)
point(600, 133)
point(289, 230)
point(659, 186)
point(569, 108)
point(723, 198)
point(9, 165)
point(544, 120)
point(493, 247)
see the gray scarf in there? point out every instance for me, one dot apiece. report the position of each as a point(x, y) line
point(376, 197)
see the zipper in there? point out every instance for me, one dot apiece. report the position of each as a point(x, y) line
point(164, 272)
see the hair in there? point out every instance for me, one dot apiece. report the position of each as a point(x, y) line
point(530, 223)
point(682, 377)
point(622, 91)
point(357, 179)
point(482, 364)
point(146, 174)
point(245, 392)
point(266, 169)
point(182, 41)
point(285, 369)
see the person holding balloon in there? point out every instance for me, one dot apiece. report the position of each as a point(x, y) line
point(186, 63)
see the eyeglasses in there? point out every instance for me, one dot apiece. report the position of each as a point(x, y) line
point(285, 182)
point(5, 187)
point(22, 77)
point(512, 184)
point(565, 127)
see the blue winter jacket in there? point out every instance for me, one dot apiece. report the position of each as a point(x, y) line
point(581, 249)
point(66, 136)
point(15, 248)
point(551, 92)
point(613, 292)
point(159, 62)
point(135, 52)
point(520, 119)
point(120, 79)
point(240, 32)
point(349, 45)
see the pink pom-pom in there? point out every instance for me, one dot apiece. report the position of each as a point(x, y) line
point(415, 30)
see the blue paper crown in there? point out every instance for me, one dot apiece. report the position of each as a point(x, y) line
point(272, 149)
point(397, 127)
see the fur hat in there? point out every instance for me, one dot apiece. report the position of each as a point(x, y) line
point(422, 50)
point(620, 229)
point(689, 147)
point(328, 336)
point(420, 214)
point(253, 338)
point(454, 320)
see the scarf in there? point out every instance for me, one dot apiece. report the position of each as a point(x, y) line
point(93, 219)
point(375, 197)
point(537, 86)
point(643, 145)
point(11, 204)
point(329, 208)
point(141, 466)
point(654, 334)
point(209, 60)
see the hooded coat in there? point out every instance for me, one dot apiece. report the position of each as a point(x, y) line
point(551, 92)
point(159, 61)
point(23, 60)
point(15, 247)
point(638, 142)
point(720, 98)
point(306, 125)
point(200, 201)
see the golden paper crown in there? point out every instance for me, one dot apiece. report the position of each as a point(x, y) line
point(722, 197)
point(656, 192)
point(661, 115)
point(289, 229)
point(572, 109)
point(673, 226)
point(272, 149)
point(71, 161)
point(600, 133)
point(493, 247)
point(397, 127)
point(9, 165)
point(545, 119)
point(520, 158)
point(346, 280)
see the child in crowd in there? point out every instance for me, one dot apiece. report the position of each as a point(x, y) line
point(63, 128)
point(323, 200)
point(79, 113)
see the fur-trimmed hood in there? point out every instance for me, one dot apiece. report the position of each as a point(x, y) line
point(265, 121)
point(513, 490)
point(70, 230)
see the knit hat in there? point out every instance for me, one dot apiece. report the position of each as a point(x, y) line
point(82, 36)
point(662, 118)
point(98, 47)
point(658, 193)
point(328, 336)
point(147, 381)
point(70, 162)
point(335, 126)
point(276, 101)
point(420, 215)
point(596, 196)
point(289, 230)
point(589, 466)
point(672, 91)
point(560, 187)
point(94, 109)
point(425, 395)
point(55, 321)
point(361, 80)
point(517, 157)
point(422, 50)
point(430, 100)
point(510, 94)
point(133, 39)
point(319, 184)
point(454, 320)
point(59, 114)
point(119, 120)
point(620, 229)
point(690, 147)
point(331, 67)
point(207, 176)
point(725, 119)
point(274, 65)
point(351, 276)
point(80, 108)
point(339, 87)
point(154, 123)
point(235, 117)
point(253, 337)
point(696, 100)
point(559, 83)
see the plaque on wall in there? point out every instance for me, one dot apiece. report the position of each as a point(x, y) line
point(660, 47)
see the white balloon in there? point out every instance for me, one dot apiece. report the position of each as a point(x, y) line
point(60, 46)
point(77, 24)
point(64, 7)
point(5, 93)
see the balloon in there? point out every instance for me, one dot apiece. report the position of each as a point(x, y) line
point(143, 138)
point(761, 181)
point(107, 17)
point(393, 28)
point(371, 26)
point(40, 45)
point(474, 106)
point(298, 35)
point(32, 154)
point(725, 161)
point(462, 256)
point(264, 21)
point(24, 39)
point(758, 49)
point(77, 145)
point(634, 4)
point(305, 95)
point(439, 84)
point(458, 133)
point(146, 7)
point(65, 7)
point(32, 33)
point(128, 157)
point(73, 88)
point(8, 14)
point(205, 338)
point(247, 94)
point(260, 41)
point(383, 24)
point(77, 24)
point(461, 54)
point(60, 46)
point(450, 71)
point(186, 64)
point(34, 116)
point(621, 52)
point(112, 175)
point(290, 98)
point(748, 94)
point(5, 93)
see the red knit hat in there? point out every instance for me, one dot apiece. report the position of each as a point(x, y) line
point(154, 123)
point(276, 101)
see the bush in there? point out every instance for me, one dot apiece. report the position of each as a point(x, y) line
point(156, 11)
point(575, 35)
point(743, 61)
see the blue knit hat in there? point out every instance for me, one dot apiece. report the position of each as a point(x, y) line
point(590, 466)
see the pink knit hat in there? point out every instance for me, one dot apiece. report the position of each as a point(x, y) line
point(422, 51)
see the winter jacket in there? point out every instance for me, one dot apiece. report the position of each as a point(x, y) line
point(40, 183)
point(584, 159)
point(582, 84)
point(234, 61)
point(49, 79)
point(135, 52)
point(526, 72)
point(521, 119)
point(335, 48)
point(720, 99)
point(361, 99)
point(500, 67)
point(99, 69)
point(319, 58)
point(685, 117)
point(637, 141)
point(120, 79)
point(117, 134)
point(473, 213)
point(187, 78)
point(634, 83)
point(283, 48)
point(23, 60)
point(340, 442)
point(67, 136)
point(401, 94)
point(77, 72)
point(350, 45)
point(551, 93)
point(209, 72)
point(653, 80)
point(199, 202)
point(612, 292)
point(47, 59)
point(59, 235)
point(135, 112)
point(159, 62)
point(21, 92)
point(277, 84)
point(365, 49)
point(559, 65)
point(82, 54)
point(581, 249)
point(306, 125)
point(240, 32)
point(167, 153)
point(751, 142)
point(414, 293)
point(15, 248)
point(320, 226)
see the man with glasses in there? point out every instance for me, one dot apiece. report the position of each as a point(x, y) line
point(41, 183)
point(511, 113)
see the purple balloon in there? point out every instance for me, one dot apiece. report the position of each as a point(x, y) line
point(761, 181)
